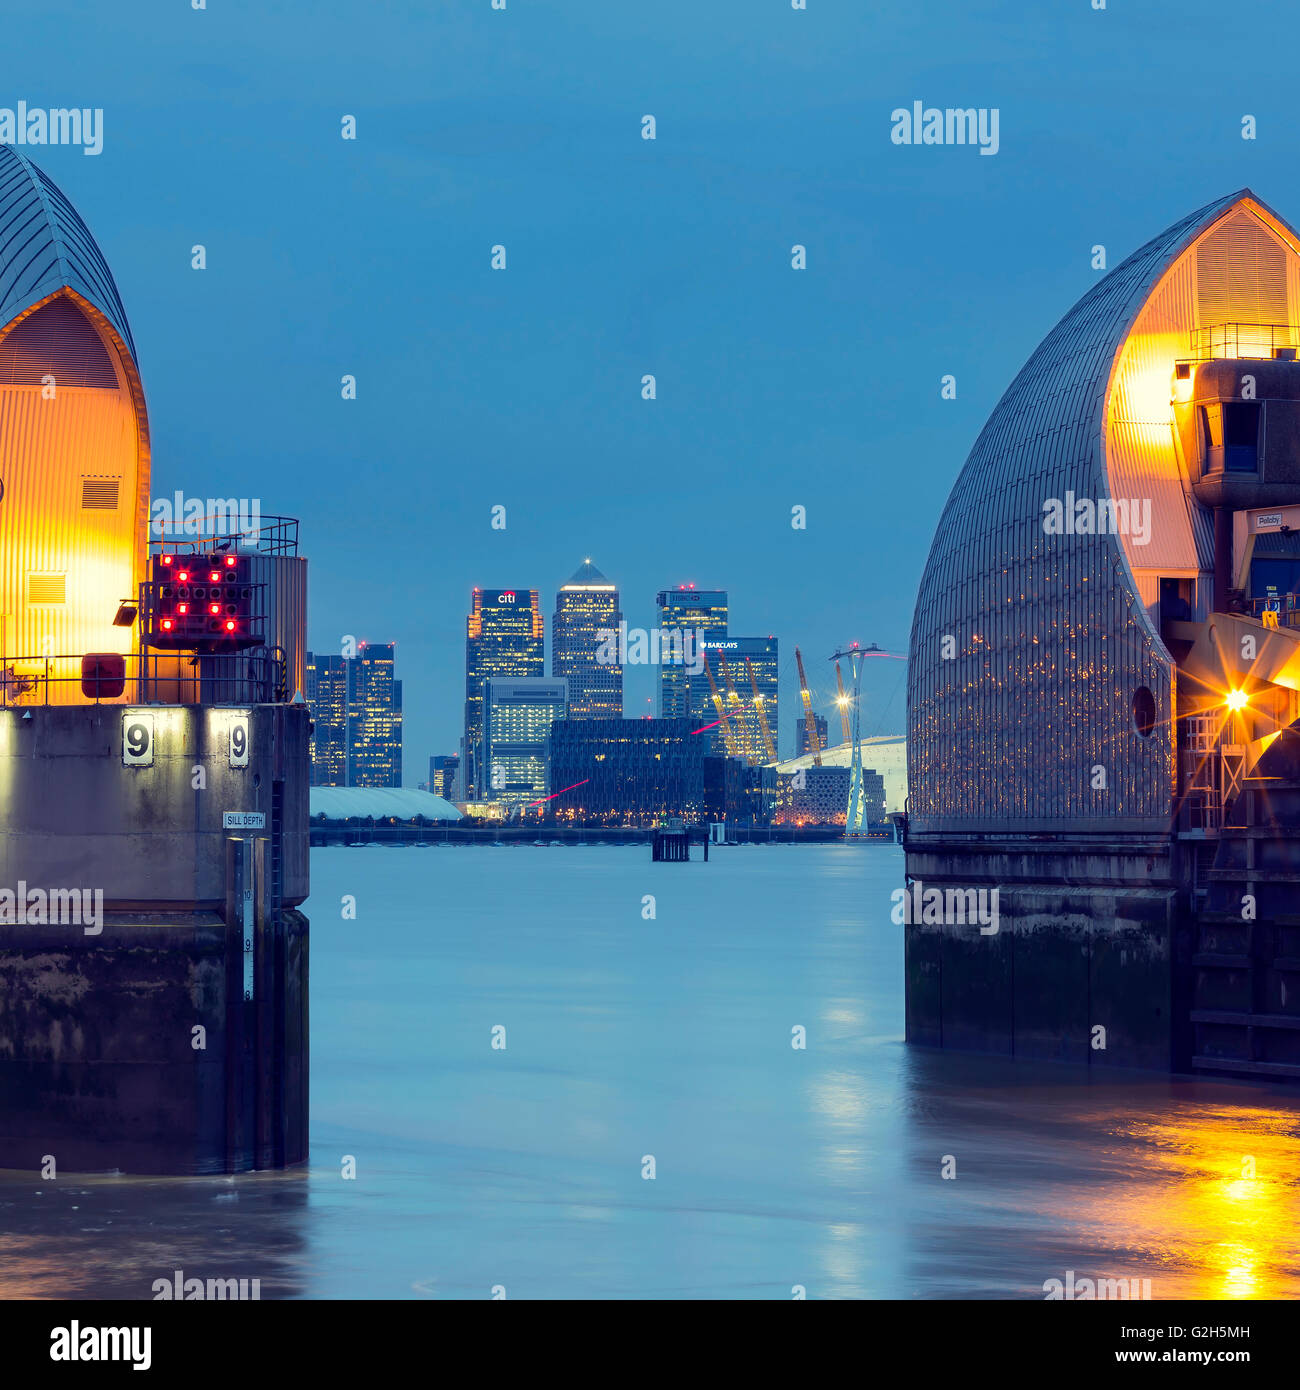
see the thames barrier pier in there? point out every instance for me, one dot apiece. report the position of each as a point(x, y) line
point(153, 760)
point(1102, 695)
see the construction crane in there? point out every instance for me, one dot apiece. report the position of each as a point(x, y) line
point(809, 720)
point(843, 701)
point(728, 737)
point(734, 706)
point(768, 745)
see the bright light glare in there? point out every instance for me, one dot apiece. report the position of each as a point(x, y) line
point(1237, 699)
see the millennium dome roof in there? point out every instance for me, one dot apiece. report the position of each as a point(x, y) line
point(1028, 648)
point(401, 803)
point(45, 247)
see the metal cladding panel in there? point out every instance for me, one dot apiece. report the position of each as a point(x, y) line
point(55, 457)
point(285, 605)
point(44, 245)
point(1010, 719)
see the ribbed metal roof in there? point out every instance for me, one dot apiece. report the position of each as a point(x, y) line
point(1046, 637)
point(45, 246)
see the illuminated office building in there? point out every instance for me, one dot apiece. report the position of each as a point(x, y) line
point(504, 637)
point(326, 694)
point(374, 756)
point(686, 608)
point(517, 719)
point(586, 609)
point(733, 659)
point(801, 745)
point(444, 772)
point(627, 771)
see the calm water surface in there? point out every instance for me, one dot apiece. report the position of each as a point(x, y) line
point(671, 1037)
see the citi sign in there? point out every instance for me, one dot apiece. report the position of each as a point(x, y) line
point(507, 597)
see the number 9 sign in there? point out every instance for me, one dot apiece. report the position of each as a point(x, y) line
point(137, 739)
point(239, 741)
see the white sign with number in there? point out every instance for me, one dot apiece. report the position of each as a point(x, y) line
point(239, 741)
point(137, 738)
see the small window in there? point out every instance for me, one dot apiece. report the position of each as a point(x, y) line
point(1144, 711)
point(1241, 436)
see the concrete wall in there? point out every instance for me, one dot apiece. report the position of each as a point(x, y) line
point(1086, 937)
point(73, 815)
point(100, 1065)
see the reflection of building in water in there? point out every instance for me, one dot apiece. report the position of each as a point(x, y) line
point(1100, 662)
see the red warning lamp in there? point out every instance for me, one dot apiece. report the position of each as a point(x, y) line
point(214, 577)
point(214, 608)
point(167, 559)
point(230, 562)
point(166, 624)
point(183, 576)
point(182, 608)
point(230, 624)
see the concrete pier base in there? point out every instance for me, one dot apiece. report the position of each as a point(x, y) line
point(153, 963)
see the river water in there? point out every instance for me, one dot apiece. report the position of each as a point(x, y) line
point(630, 1037)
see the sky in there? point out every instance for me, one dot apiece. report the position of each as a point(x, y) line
point(625, 257)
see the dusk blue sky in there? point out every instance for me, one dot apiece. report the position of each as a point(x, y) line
point(625, 257)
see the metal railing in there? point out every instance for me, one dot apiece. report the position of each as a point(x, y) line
point(1229, 340)
point(278, 535)
point(1276, 612)
point(167, 678)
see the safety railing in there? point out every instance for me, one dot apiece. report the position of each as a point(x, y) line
point(1277, 612)
point(1230, 340)
point(274, 535)
point(167, 678)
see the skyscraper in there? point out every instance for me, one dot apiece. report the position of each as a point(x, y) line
point(504, 636)
point(517, 719)
point(586, 607)
point(686, 607)
point(374, 718)
point(444, 770)
point(731, 660)
point(801, 745)
point(326, 694)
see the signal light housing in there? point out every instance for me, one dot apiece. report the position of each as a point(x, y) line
point(221, 620)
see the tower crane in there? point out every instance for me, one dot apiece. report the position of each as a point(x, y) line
point(809, 721)
point(768, 745)
point(743, 737)
point(728, 737)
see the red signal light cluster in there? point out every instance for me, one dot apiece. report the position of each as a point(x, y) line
point(200, 603)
